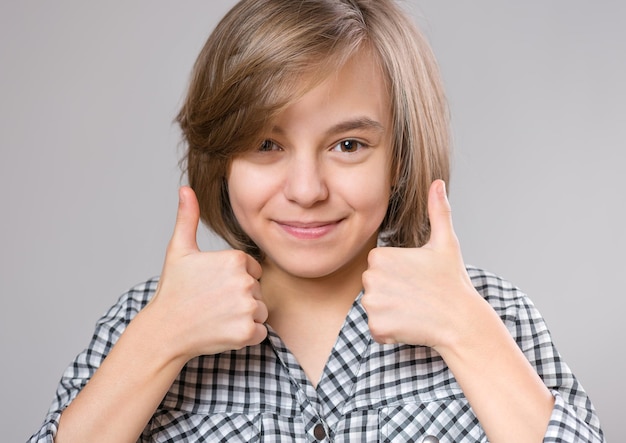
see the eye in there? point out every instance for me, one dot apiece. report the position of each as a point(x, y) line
point(348, 145)
point(268, 145)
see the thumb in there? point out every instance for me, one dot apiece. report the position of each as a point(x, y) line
point(187, 219)
point(440, 215)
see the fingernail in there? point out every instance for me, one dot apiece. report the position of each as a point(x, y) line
point(442, 188)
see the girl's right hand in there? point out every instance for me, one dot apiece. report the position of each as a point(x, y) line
point(206, 302)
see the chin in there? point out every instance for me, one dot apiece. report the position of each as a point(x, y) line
point(316, 265)
point(310, 272)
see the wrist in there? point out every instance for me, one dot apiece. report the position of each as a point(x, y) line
point(476, 331)
point(156, 339)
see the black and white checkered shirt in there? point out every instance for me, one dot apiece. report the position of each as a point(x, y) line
point(368, 392)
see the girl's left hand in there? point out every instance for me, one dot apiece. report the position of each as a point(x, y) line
point(423, 296)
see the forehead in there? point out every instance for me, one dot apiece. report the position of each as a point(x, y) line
point(354, 90)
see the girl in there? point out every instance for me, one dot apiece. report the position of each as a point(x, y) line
point(317, 140)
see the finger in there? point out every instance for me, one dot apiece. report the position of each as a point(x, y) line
point(187, 219)
point(254, 268)
point(259, 334)
point(261, 313)
point(256, 291)
point(440, 215)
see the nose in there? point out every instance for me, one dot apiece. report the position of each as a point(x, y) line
point(305, 182)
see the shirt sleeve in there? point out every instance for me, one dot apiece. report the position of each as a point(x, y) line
point(108, 330)
point(573, 416)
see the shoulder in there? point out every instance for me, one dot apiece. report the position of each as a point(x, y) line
point(515, 308)
point(506, 298)
point(490, 285)
point(130, 303)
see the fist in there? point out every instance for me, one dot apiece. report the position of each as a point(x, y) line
point(421, 296)
point(209, 302)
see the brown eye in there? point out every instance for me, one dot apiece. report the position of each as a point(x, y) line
point(348, 145)
point(267, 145)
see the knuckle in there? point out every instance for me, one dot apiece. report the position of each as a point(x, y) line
point(235, 258)
point(378, 333)
point(379, 257)
point(248, 283)
point(366, 301)
point(367, 280)
point(373, 257)
point(248, 332)
point(249, 307)
point(372, 303)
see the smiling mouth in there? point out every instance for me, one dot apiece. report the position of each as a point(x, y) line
point(308, 231)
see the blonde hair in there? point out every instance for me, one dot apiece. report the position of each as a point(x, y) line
point(264, 54)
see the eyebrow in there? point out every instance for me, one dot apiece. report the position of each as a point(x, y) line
point(357, 123)
point(363, 123)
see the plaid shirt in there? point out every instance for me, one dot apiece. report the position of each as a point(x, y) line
point(368, 391)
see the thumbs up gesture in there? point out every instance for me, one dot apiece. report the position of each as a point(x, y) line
point(209, 302)
point(421, 296)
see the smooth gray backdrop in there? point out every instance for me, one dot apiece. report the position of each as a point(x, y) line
point(88, 172)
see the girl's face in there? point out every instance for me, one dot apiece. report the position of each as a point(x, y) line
point(313, 195)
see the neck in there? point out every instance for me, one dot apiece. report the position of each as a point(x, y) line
point(307, 313)
point(288, 295)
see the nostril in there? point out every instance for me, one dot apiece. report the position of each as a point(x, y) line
point(305, 185)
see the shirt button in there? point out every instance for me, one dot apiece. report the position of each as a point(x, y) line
point(430, 439)
point(319, 432)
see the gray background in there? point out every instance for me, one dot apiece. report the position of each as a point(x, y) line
point(88, 172)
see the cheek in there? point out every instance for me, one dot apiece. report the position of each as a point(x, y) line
point(380, 192)
point(240, 189)
point(368, 191)
point(249, 189)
